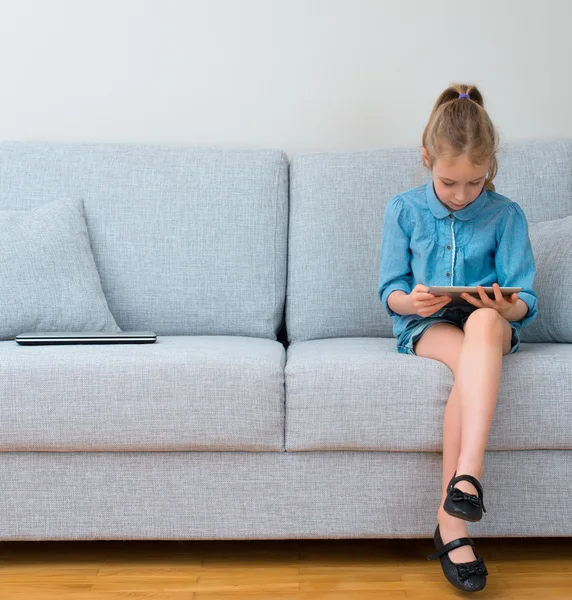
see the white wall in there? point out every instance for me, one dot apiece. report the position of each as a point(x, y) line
point(300, 75)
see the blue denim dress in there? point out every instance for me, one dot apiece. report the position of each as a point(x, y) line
point(457, 315)
point(424, 242)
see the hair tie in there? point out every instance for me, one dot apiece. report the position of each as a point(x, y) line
point(464, 96)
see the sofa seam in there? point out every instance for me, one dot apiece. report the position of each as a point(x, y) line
point(275, 270)
point(281, 164)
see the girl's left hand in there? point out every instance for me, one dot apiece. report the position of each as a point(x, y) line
point(501, 303)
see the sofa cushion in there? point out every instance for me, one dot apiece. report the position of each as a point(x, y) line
point(361, 394)
point(187, 241)
point(337, 204)
point(552, 249)
point(49, 281)
point(212, 393)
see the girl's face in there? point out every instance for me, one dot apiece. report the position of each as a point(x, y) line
point(457, 180)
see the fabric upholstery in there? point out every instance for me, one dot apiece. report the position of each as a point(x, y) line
point(337, 203)
point(207, 393)
point(49, 280)
point(187, 241)
point(361, 394)
point(268, 495)
point(552, 249)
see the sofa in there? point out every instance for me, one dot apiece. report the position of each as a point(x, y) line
point(274, 403)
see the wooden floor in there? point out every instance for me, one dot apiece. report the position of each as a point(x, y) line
point(539, 568)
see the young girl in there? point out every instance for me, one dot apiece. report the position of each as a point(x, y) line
point(457, 230)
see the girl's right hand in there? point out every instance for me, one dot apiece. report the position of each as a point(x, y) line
point(425, 304)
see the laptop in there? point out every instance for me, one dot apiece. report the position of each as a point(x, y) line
point(37, 338)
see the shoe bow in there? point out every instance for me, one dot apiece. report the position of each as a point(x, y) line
point(458, 495)
point(466, 570)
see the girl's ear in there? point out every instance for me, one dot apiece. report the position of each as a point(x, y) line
point(425, 156)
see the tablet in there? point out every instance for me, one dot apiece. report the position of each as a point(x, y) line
point(37, 338)
point(455, 292)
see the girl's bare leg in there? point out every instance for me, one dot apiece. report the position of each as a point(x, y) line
point(452, 528)
point(446, 343)
point(487, 338)
point(469, 414)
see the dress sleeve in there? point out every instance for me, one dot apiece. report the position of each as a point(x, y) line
point(514, 261)
point(395, 261)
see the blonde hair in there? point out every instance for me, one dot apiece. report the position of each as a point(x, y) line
point(462, 125)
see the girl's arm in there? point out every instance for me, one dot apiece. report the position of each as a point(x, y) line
point(394, 269)
point(515, 263)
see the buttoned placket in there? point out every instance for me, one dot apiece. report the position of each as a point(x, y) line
point(452, 273)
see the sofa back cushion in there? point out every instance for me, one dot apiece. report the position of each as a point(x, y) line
point(187, 241)
point(337, 203)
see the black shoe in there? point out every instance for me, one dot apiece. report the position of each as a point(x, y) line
point(469, 576)
point(464, 506)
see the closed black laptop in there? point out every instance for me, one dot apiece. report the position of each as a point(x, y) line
point(85, 337)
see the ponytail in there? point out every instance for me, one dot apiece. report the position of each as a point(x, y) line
point(460, 125)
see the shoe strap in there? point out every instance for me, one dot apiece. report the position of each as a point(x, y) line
point(464, 541)
point(470, 479)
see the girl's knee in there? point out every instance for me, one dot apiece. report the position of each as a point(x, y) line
point(485, 317)
point(484, 321)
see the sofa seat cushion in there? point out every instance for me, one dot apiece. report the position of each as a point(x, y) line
point(212, 393)
point(361, 394)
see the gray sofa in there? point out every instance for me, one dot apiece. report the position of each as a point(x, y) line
point(274, 403)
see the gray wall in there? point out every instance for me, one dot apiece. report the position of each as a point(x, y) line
point(300, 75)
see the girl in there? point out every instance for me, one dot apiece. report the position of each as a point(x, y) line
point(457, 230)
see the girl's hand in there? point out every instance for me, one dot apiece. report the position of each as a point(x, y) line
point(425, 304)
point(501, 303)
